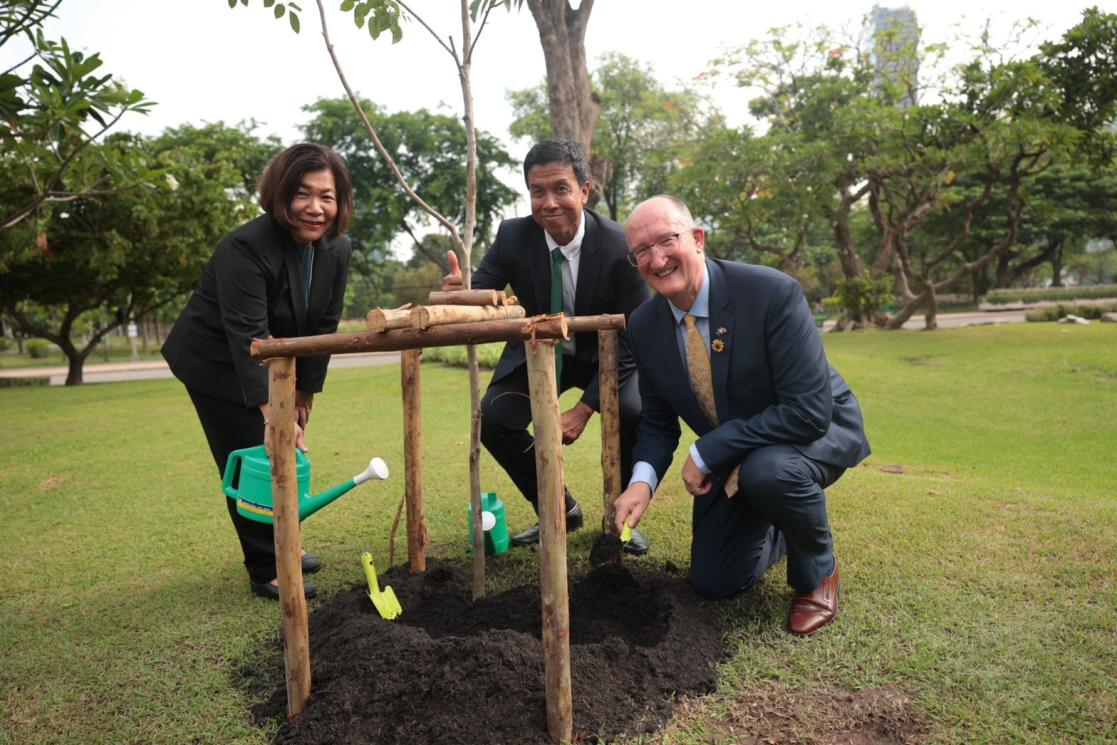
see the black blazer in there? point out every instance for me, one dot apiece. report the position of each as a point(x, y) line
point(772, 383)
point(252, 288)
point(606, 283)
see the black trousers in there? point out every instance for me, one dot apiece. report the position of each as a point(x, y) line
point(779, 509)
point(230, 427)
point(506, 413)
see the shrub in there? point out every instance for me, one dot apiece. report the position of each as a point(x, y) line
point(5, 344)
point(487, 355)
point(1050, 294)
point(38, 349)
point(1055, 312)
point(22, 382)
point(863, 295)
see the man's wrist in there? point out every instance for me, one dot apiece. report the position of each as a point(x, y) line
point(697, 458)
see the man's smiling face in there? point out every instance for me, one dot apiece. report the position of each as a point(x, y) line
point(673, 268)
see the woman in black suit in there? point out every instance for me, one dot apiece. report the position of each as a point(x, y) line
point(282, 274)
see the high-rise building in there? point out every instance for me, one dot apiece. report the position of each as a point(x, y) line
point(895, 52)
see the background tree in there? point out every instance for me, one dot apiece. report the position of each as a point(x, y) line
point(119, 256)
point(841, 144)
point(429, 150)
point(54, 103)
point(640, 133)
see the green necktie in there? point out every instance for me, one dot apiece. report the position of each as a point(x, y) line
point(557, 260)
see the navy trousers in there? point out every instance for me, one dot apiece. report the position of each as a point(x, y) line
point(506, 413)
point(779, 509)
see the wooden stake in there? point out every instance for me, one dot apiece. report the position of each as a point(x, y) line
point(440, 315)
point(288, 564)
point(410, 381)
point(467, 297)
point(552, 538)
point(480, 332)
point(379, 320)
point(607, 354)
point(581, 324)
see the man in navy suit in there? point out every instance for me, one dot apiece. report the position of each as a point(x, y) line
point(786, 425)
point(590, 252)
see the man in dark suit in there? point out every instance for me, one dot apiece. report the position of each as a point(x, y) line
point(589, 252)
point(732, 350)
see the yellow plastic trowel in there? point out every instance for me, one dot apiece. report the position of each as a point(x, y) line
point(385, 601)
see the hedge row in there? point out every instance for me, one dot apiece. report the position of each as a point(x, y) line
point(487, 355)
point(1051, 294)
point(1055, 312)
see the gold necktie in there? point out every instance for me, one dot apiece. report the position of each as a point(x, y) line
point(702, 381)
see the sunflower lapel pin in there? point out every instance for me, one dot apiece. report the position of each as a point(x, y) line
point(718, 344)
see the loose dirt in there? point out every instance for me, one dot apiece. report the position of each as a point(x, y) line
point(450, 670)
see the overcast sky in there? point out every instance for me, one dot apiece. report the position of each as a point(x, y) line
point(202, 61)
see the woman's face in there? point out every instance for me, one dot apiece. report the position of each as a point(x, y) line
point(313, 209)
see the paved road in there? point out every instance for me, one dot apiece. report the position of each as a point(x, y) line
point(956, 320)
point(155, 369)
point(119, 371)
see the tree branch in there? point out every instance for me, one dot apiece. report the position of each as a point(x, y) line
point(388, 159)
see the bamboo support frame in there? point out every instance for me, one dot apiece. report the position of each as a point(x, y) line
point(543, 332)
point(479, 332)
point(468, 297)
point(410, 382)
point(607, 358)
point(552, 538)
point(426, 316)
point(288, 563)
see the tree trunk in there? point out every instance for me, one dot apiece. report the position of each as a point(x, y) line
point(930, 317)
point(1057, 265)
point(75, 359)
point(573, 105)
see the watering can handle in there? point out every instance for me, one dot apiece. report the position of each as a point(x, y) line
point(231, 466)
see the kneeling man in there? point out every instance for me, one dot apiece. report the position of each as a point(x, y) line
point(732, 349)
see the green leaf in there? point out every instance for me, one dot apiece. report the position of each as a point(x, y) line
point(280, 10)
point(347, 5)
point(232, 3)
point(269, 3)
point(294, 19)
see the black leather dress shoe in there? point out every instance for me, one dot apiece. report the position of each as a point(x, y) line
point(311, 563)
point(271, 592)
point(574, 520)
point(638, 546)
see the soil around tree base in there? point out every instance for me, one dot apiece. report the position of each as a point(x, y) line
point(450, 670)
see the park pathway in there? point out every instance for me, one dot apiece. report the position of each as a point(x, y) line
point(112, 372)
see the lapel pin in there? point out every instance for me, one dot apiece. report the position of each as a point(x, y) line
point(722, 330)
point(717, 345)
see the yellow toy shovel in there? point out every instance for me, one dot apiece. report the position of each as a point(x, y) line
point(385, 602)
point(626, 532)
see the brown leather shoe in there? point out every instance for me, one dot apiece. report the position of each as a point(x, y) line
point(810, 611)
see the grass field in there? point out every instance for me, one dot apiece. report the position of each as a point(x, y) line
point(979, 574)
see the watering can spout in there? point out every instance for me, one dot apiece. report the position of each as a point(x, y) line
point(377, 470)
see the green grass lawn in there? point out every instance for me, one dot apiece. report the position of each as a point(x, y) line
point(980, 584)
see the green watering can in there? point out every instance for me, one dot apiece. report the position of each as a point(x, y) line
point(252, 490)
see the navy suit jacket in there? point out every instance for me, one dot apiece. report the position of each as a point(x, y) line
point(252, 288)
point(772, 383)
point(606, 283)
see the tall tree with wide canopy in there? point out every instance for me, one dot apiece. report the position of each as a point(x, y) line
point(121, 255)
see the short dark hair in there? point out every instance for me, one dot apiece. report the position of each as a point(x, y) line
point(566, 152)
point(284, 175)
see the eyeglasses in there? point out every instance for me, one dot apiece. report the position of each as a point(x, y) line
point(641, 255)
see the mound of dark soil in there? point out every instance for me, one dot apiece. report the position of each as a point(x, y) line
point(450, 670)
